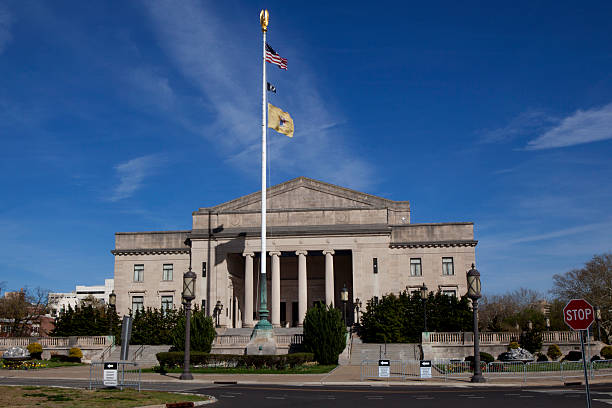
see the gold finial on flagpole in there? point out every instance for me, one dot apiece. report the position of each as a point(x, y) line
point(264, 16)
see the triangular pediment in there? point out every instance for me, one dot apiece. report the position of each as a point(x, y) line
point(306, 193)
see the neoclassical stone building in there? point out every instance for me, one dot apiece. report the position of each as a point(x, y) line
point(321, 237)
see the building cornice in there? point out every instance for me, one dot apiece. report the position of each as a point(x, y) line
point(434, 244)
point(306, 230)
point(150, 251)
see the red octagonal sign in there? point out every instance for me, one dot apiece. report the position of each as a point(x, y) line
point(578, 314)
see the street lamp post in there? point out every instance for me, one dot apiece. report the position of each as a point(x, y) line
point(112, 302)
point(189, 279)
point(344, 298)
point(218, 309)
point(357, 308)
point(473, 284)
point(424, 300)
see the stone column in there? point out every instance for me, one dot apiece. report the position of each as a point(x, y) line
point(329, 276)
point(275, 288)
point(247, 317)
point(302, 286)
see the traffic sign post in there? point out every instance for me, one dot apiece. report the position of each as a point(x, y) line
point(579, 315)
point(384, 368)
point(110, 374)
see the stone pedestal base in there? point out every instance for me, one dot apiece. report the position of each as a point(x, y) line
point(262, 342)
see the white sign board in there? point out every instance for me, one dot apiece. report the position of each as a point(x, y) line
point(384, 368)
point(425, 366)
point(110, 374)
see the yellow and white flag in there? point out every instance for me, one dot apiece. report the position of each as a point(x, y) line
point(279, 120)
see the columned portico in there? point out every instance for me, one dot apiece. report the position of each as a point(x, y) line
point(248, 290)
point(302, 286)
point(276, 288)
point(329, 276)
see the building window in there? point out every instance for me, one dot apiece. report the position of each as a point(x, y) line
point(167, 303)
point(203, 269)
point(137, 303)
point(447, 266)
point(204, 305)
point(449, 292)
point(415, 267)
point(138, 273)
point(375, 265)
point(167, 273)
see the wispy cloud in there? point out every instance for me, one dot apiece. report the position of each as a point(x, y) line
point(5, 27)
point(132, 174)
point(211, 54)
point(526, 123)
point(586, 126)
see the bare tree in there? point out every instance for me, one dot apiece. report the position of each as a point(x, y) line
point(21, 310)
point(501, 312)
point(593, 282)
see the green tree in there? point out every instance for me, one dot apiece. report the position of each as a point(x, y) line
point(154, 326)
point(87, 321)
point(202, 332)
point(324, 333)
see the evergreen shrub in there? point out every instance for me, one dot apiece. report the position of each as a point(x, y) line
point(554, 352)
point(484, 358)
point(606, 352)
point(324, 333)
point(35, 350)
point(202, 332)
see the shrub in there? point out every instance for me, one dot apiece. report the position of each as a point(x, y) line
point(174, 359)
point(513, 345)
point(484, 358)
point(542, 357)
point(324, 334)
point(554, 352)
point(35, 350)
point(573, 355)
point(75, 353)
point(595, 358)
point(202, 332)
point(64, 358)
point(531, 340)
point(606, 352)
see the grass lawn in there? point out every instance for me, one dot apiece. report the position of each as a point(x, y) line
point(315, 369)
point(69, 397)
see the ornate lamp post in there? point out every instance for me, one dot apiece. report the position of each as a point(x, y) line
point(424, 300)
point(218, 309)
point(112, 302)
point(344, 298)
point(189, 279)
point(473, 283)
point(547, 323)
point(358, 305)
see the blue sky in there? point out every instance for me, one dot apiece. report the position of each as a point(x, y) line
point(127, 116)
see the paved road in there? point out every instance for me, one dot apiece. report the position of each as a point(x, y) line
point(457, 396)
point(387, 397)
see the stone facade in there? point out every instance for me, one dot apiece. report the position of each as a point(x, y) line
point(321, 237)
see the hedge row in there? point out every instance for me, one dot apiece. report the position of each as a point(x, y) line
point(175, 359)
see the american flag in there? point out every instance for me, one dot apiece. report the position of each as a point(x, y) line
point(274, 58)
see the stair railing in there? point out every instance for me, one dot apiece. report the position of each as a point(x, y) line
point(138, 353)
point(108, 349)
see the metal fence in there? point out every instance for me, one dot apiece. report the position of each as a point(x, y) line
point(456, 369)
point(128, 375)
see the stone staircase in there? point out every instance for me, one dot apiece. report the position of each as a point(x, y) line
point(144, 355)
point(392, 351)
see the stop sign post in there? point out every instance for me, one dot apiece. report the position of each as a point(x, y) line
point(579, 315)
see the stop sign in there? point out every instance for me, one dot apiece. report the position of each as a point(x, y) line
point(578, 314)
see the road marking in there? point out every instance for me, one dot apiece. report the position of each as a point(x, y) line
point(468, 395)
point(526, 396)
point(424, 398)
point(374, 397)
point(605, 401)
point(227, 396)
point(276, 398)
point(475, 397)
point(512, 395)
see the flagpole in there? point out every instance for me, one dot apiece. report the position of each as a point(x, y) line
point(263, 309)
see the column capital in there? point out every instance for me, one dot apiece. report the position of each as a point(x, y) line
point(251, 254)
point(328, 251)
point(301, 252)
point(274, 253)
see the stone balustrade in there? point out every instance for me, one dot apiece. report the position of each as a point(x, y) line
point(496, 338)
point(241, 340)
point(91, 346)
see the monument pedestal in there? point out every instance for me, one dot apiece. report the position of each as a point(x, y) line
point(263, 341)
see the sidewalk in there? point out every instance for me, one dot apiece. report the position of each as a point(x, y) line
point(341, 376)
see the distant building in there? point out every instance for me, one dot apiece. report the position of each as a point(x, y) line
point(58, 302)
point(321, 238)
